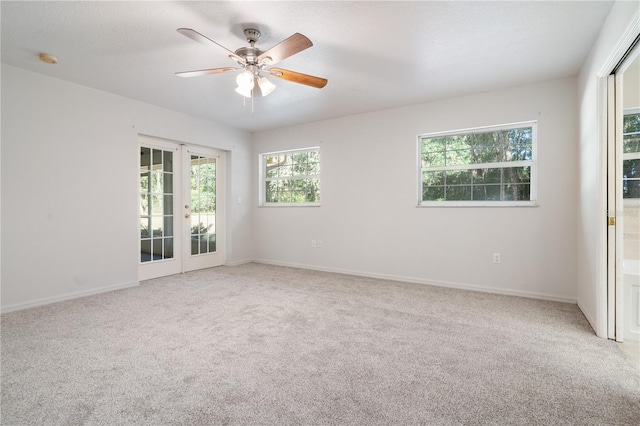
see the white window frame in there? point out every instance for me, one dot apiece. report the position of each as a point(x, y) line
point(533, 163)
point(262, 202)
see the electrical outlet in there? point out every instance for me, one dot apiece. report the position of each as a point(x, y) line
point(319, 243)
point(313, 243)
point(496, 257)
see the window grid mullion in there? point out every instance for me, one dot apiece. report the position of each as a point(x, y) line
point(296, 177)
point(504, 164)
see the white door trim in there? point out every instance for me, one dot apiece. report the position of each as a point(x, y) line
point(612, 229)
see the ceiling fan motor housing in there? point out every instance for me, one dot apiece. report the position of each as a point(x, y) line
point(250, 55)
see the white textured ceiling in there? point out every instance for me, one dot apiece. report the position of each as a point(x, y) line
point(376, 55)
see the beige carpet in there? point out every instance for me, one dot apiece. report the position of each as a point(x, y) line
point(258, 344)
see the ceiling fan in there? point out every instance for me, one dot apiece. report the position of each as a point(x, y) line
point(254, 62)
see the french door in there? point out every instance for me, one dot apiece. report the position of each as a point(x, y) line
point(203, 207)
point(181, 199)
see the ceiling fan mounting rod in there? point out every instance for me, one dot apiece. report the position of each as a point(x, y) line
point(252, 35)
point(253, 69)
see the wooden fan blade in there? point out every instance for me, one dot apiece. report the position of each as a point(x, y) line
point(196, 36)
point(297, 77)
point(287, 47)
point(204, 72)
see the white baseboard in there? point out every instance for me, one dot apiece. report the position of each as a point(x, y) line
point(238, 262)
point(435, 283)
point(64, 297)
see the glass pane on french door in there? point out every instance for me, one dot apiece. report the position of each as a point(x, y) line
point(203, 204)
point(156, 204)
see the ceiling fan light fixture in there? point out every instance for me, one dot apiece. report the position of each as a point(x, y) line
point(265, 85)
point(245, 81)
point(244, 91)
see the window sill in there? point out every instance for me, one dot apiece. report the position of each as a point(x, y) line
point(289, 205)
point(499, 204)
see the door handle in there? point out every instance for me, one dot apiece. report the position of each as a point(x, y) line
point(187, 215)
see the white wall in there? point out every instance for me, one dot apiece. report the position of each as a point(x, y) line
point(69, 186)
point(620, 24)
point(369, 222)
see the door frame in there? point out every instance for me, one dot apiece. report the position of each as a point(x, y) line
point(612, 237)
point(181, 186)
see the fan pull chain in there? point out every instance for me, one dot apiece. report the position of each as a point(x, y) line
point(244, 102)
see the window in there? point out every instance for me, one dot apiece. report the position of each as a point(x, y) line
point(484, 166)
point(290, 178)
point(631, 154)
